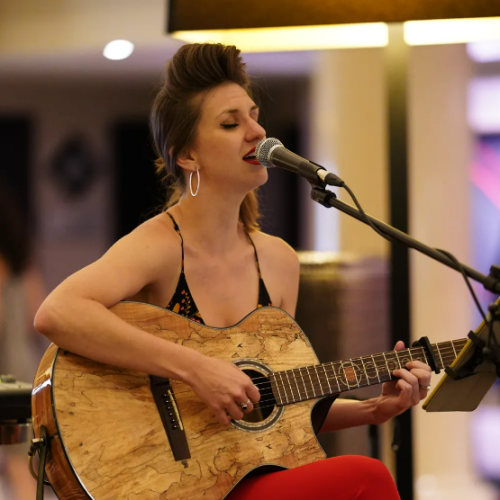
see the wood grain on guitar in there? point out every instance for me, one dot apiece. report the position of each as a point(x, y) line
point(110, 442)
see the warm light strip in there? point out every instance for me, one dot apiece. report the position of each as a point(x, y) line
point(294, 38)
point(451, 31)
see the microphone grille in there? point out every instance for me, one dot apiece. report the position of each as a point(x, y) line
point(264, 148)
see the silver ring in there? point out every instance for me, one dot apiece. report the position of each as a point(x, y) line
point(244, 406)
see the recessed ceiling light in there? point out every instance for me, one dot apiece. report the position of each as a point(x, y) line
point(118, 49)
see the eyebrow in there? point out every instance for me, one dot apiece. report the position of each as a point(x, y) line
point(235, 111)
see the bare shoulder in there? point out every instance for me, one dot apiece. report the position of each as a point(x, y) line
point(275, 250)
point(158, 231)
point(146, 257)
point(154, 242)
point(280, 269)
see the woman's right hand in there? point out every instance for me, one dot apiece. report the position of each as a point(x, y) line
point(223, 387)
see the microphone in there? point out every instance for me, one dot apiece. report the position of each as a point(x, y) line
point(271, 153)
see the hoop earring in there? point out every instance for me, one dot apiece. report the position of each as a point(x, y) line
point(191, 183)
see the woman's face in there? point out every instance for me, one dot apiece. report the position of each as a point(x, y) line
point(227, 132)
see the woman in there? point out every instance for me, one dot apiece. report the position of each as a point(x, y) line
point(207, 246)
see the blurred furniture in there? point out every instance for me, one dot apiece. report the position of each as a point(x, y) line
point(343, 308)
point(15, 410)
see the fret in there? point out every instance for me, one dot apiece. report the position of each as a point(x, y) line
point(323, 392)
point(376, 368)
point(366, 373)
point(338, 375)
point(327, 380)
point(354, 366)
point(425, 356)
point(280, 402)
point(440, 357)
point(445, 354)
point(303, 382)
point(284, 388)
point(345, 377)
point(290, 385)
point(386, 364)
point(453, 346)
point(393, 361)
point(335, 375)
point(409, 352)
point(312, 385)
point(416, 354)
point(297, 384)
point(397, 357)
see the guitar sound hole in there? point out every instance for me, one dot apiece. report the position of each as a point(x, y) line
point(266, 405)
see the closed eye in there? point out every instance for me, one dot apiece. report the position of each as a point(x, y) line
point(229, 125)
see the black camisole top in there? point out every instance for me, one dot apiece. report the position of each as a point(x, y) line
point(183, 302)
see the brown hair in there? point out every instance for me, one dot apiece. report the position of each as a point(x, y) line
point(195, 69)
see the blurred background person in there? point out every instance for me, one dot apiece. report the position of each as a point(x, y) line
point(21, 292)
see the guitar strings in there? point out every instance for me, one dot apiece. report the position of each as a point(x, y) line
point(259, 404)
point(304, 397)
point(371, 372)
point(336, 379)
point(374, 366)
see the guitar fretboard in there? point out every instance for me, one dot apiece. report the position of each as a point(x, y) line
point(310, 382)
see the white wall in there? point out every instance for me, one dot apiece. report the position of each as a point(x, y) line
point(348, 134)
point(440, 144)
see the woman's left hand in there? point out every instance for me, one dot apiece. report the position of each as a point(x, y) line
point(399, 395)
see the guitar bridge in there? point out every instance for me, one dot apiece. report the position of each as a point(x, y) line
point(169, 412)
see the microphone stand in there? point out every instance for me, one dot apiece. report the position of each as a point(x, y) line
point(483, 351)
point(329, 199)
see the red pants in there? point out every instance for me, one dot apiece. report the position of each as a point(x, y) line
point(348, 477)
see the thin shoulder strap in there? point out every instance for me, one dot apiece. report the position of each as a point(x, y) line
point(255, 253)
point(176, 227)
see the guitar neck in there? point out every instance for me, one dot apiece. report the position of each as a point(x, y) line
point(310, 382)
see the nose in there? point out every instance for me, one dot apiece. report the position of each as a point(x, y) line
point(255, 131)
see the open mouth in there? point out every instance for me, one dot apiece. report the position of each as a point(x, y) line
point(250, 157)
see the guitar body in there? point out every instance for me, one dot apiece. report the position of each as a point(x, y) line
point(110, 442)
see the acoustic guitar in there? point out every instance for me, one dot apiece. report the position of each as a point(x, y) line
point(116, 434)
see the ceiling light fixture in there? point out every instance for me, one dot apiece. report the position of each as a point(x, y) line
point(293, 38)
point(442, 31)
point(118, 49)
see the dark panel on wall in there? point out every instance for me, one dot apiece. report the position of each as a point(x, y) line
point(15, 159)
point(281, 101)
point(139, 192)
point(279, 197)
point(225, 14)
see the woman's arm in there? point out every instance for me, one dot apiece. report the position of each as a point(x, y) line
point(75, 315)
point(345, 413)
